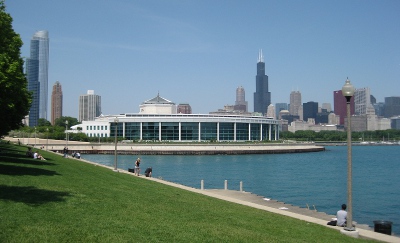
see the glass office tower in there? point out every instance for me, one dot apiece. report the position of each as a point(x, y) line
point(37, 74)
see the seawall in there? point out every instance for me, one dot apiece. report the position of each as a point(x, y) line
point(169, 149)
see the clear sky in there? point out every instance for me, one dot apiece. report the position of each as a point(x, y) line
point(199, 52)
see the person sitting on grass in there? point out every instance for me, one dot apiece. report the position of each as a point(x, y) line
point(39, 156)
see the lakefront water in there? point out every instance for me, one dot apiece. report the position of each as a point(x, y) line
point(316, 179)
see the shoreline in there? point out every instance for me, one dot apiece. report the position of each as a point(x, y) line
point(268, 204)
point(168, 149)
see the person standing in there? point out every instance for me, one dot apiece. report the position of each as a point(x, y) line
point(137, 167)
point(148, 172)
point(342, 216)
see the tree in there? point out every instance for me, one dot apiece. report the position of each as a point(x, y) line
point(61, 121)
point(15, 98)
point(43, 123)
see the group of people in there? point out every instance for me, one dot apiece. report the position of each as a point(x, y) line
point(147, 172)
point(76, 155)
point(34, 155)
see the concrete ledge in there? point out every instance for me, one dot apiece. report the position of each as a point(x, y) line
point(353, 233)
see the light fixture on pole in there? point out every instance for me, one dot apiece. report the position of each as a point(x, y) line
point(35, 138)
point(115, 152)
point(66, 134)
point(348, 92)
point(47, 143)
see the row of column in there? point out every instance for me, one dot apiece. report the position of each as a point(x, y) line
point(199, 135)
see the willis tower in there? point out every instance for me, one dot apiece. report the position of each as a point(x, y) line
point(262, 97)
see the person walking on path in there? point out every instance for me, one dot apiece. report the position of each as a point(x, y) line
point(137, 167)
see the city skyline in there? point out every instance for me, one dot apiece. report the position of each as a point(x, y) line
point(200, 52)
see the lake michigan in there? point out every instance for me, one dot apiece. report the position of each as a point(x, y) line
point(317, 179)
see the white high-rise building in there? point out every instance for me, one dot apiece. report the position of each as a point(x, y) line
point(295, 103)
point(362, 99)
point(89, 106)
point(271, 111)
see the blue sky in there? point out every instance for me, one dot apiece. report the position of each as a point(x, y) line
point(199, 52)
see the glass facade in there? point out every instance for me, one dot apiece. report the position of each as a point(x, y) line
point(182, 127)
point(190, 131)
point(255, 131)
point(208, 131)
point(150, 131)
point(170, 131)
point(226, 131)
point(120, 126)
point(132, 131)
point(242, 131)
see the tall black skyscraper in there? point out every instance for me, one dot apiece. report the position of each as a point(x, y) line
point(310, 110)
point(262, 97)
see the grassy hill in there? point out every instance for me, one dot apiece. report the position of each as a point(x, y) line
point(66, 200)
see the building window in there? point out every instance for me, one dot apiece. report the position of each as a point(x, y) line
point(208, 131)
point(226, 131)
point(255, 131)
point(190, 131)
point(150, 130)
point(242, 131)
point(170, 131)
point(132, 130)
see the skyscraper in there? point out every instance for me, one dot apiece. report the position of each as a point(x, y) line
point(295, 103)
point(310, 110)
point(240, 103)
point(392, 106)
point(362, 99)
point(89, 106)
point(279, 107)
point(339, 105)
point(262, 97)
point(271, 111)
point(37, 74)
point(56, 102)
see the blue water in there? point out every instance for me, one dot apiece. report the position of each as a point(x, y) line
point(317, 179)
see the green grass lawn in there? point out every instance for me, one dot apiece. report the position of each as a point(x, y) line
point(66, 200)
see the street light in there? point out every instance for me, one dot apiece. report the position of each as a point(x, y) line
point(35, 138)
point(66, 134)
point(115, 152)
point(47, 143)
point(348, 92)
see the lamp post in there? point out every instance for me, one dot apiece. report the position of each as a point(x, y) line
point(115, 152)
point(35, 138)
point(348, 92)
point(66, 134)
point(47, 142)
